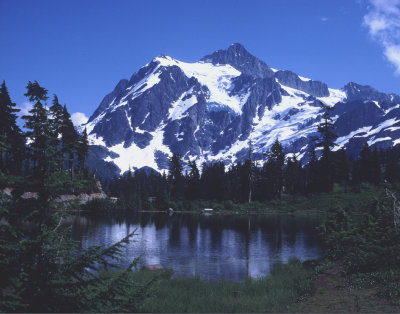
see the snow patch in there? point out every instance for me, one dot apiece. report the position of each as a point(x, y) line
point(135, 156)
point(217, 78)
point(335, 96)
point(373, 141)
point(180, 106)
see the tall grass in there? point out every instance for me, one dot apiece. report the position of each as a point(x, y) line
point(278, 292)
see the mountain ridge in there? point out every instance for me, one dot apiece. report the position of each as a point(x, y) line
point(208, 110)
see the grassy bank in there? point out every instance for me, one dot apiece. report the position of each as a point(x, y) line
point(352, 199)
point(322, 287)
point(280, 292)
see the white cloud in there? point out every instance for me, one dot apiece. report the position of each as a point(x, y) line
point(79, 118)
point(383, 23)
point(323, 18)
point(24, 107)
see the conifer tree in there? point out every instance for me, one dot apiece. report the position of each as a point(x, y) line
point(313, 172)
point(193, 181)
point(37, 123)
point(376, 167)
point(56, 123)
point(12, 145)
point(365, 164)
point(175, 176)
point(69, 140)
point(57, 116)
point(82, 149)
point(273, 170)
point(293, 176)
point(325, 128)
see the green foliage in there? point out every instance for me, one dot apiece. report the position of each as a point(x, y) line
point(287, 285)
point(12, 146)
point(42, 270)
point(102, 205)
point(368, 244)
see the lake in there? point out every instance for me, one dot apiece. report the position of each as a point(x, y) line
point(212, 247)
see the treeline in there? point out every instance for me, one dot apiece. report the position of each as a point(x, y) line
point(50, 143)
point(41, 268)
point(259, 181)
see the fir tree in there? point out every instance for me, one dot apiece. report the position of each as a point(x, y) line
point(56, 123)
point(12, 145)
point(273, 170)
point(193, 181)
point(293, 182)
point(39, 127)
point(175, 176)
point(325, 128)
point(82, 149)
point(313, 172)
point(69, 140)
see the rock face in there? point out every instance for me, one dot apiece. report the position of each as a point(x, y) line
point(209, 110)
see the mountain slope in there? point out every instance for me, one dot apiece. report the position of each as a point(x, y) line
point(209, 110)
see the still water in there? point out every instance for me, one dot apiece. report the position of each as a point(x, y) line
point(212, 247)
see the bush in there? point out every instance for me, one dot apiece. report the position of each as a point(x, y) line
point(279, 292)
point(101, 205)
point(367, 244)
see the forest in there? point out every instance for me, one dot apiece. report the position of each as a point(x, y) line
point(260, 181)
point(42, 269)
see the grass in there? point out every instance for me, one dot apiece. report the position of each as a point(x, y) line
point(286, 286)
point(335, 292)
point(353, 199)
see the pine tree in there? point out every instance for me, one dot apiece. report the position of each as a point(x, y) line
point(82, 149)
point(175, 176)
point(293, 176)
point(365, 164)
point(69, 140)
point(213, 181)
point(313, 172)
point(325, 128)
point(251, 171)
point(193, 180)
point(12, 145)
point(273, 170)
point(376, 167)
point(56, 123)
point(39, 127)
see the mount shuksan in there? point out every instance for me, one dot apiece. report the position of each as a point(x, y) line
point(209, 110)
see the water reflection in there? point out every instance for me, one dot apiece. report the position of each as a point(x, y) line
point(211, 247)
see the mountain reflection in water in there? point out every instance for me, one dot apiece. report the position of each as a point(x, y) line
point(212, 247)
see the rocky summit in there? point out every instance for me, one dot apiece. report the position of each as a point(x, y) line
point(209, 110)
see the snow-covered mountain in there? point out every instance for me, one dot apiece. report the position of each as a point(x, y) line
point(208, 111)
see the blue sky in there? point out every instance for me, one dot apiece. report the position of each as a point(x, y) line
point(79, 50)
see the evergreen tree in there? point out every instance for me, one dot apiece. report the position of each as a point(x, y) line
point(82, 149)
point(325, 128)
point(213, 181)
point(376, 167)
point(12, 145)
point(313, 172)
point(39, 127)
point(293, 176)
point(57, 117)
point(365, 164)
point(193, 181)
point(341, 166)
point(273, 170)
point(251, 171)
point(69, 140)
point(56, 123)
point(175, 176)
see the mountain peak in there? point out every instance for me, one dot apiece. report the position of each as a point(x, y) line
point(237, 56)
